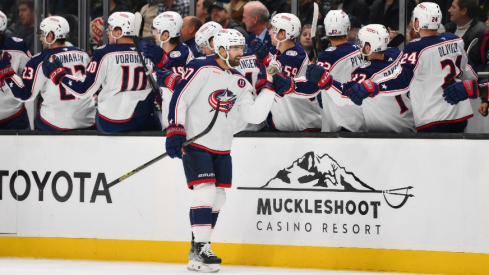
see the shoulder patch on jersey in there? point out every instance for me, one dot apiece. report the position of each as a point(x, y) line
point(175, 54)
point(365, 65)
point(330, 49)
point(241, 83)
point(16, 39)
point(101, 47)
point(291, 53)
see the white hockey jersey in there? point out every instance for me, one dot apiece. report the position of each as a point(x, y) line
point(290, 113)
point(248, 68)
point(385, 114)
point(195, 98)
point(340, 61)
point(428, 65)
point(19, 56)
point(59, 108)
point(117, 68)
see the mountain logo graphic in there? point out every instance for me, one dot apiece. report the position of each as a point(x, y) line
point(315, 173)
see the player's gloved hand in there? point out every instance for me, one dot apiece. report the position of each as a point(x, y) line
point(261, 51)
point(460, 91)
point(167, 78)
point(53, 69)
point(262, 80)
point(346, 86)
point(156, 54)
point(175, 137)
point(6, 69)
point(319, 75)
point(283, 84)
point(360, 91)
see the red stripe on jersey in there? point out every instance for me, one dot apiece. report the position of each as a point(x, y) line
point(388, 67)
point(444, 122)
point(114, 120)
point(192, 183)
point(198, 207)
point(55, 127)
point(353, 53)
point(210, 150)
point(312, 130)
point(223, 185)
point(15, 115)
point(185, 88)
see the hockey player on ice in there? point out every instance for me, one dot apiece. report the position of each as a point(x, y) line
point(60, 110)
point(428, 66)
point(125, 102)
point(382, 114)
point(13, 114)
point(288, 113)
point(207, 161)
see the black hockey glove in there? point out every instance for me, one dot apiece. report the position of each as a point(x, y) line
point(283, 84)
point(360, 91)
point(53, 69)
point(167, 78)
point(156, 54)
point(175, 137)
point(319, 75)
point(261, 51)
point(460, 91)
point(6, 69)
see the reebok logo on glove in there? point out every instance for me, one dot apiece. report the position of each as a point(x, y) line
point(324, 80)
point(471, 93)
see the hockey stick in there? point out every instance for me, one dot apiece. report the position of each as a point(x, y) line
point(472, 44)
point(135, 39)
point(147, 164)
point(314, 29)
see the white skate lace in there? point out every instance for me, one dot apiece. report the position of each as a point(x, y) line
point(206, 249)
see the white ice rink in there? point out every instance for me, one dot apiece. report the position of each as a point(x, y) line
point(17, 266)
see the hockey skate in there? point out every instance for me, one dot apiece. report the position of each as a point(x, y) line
point(202, 259)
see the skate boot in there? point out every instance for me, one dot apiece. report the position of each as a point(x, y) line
point(192, 257)
point(205, 260)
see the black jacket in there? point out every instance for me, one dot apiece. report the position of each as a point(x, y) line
point(476, 30)
point(233, 24)
point(389, 18)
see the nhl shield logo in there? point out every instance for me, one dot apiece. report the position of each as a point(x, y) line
point(226, 97)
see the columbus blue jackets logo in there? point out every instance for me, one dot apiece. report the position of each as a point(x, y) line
point(175, 54)
point(227, 99)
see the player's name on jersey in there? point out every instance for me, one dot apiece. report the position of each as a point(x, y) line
point(356, 60)
point(128, 58)
point(71, 57)
point(391, 70)
point(447, 49)
point(247, 63)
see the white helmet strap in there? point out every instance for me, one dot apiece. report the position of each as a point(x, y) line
point(46, 39)
point(115, 38)
point(163, 41)
point(225, 59)
point(414, 26)
point(278, 41)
